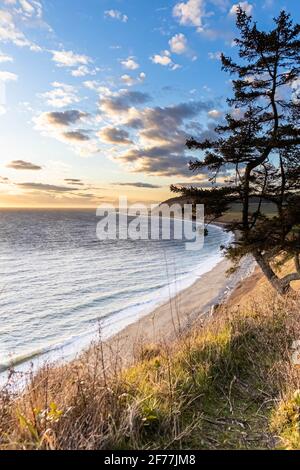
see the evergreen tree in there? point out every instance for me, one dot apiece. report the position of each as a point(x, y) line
point(260, 148)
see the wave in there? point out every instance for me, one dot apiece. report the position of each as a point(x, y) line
point(113, 322)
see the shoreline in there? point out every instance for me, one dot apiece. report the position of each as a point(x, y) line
point(164, 321)
point(170, 320)
point(110, 325)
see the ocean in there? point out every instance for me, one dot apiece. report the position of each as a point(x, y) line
point(59, 284)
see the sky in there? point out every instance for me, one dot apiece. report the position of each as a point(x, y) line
point(97, 97)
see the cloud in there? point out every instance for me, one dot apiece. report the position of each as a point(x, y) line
point(138, 185)
point(29, 8)
point(296, 91)
point(215, 114)
point(247, 7)
point(164, 59)
point(47, 187)
point(97, 87)
point(268, 4)
point(5, 58)
point(59, 119)
point(157, 161)
point(190, 13)
point(130, 63)
point(8, 77)
point(62, 95)
point(73, 188)
point(70, 59)
point(178, 44)
point(77, 136)
point(75, 181)
point(130, 81)
point(83, 70)
point(122, 101)
point(23, 165)
point(116, 15)
point(161, 133)
point(4, 180)
point(214, 55)
point(165, 119)
point(88, 196)
point(10, 33)
point(60, 125)
point(113, 135)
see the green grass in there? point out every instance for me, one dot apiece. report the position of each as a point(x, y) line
point(228, 384)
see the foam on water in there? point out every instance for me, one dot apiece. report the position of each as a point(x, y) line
point(59, 283)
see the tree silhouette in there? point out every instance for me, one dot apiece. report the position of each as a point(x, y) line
point(258, 145)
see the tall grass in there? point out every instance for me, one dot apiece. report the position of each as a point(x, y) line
point(228, 383)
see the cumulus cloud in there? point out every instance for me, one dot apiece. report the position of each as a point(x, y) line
point(23, 165)
point(122, 101)
point(130, 81)
point(9, 32)
point(70, 59)
point(83, 70)
point(29, 8)
point(113, 135)
point(59, 119)
point(190, 13)
point(178, 44)
point(247, 7)
point(60, 125)
point(161, 133)
point(130, 63)
point(8, 76)
point(76, 136)
point(61, 95)
point(5, 58)
point(156, 161)
point(116, 15)
point(94, 85)
point(164, 59)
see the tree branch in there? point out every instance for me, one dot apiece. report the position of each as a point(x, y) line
point(290, 278)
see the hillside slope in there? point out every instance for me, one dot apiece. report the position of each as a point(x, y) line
point(227, 384)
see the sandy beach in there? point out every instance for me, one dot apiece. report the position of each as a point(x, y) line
point(173, 317)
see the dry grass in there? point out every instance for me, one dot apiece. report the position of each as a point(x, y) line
point(227, 384)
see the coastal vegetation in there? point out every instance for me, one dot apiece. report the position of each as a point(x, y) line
point(227, 383)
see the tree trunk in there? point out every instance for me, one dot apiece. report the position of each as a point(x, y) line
point(297, 263)
point(280, 285)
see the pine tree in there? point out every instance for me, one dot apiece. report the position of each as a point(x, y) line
point(260, 148)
